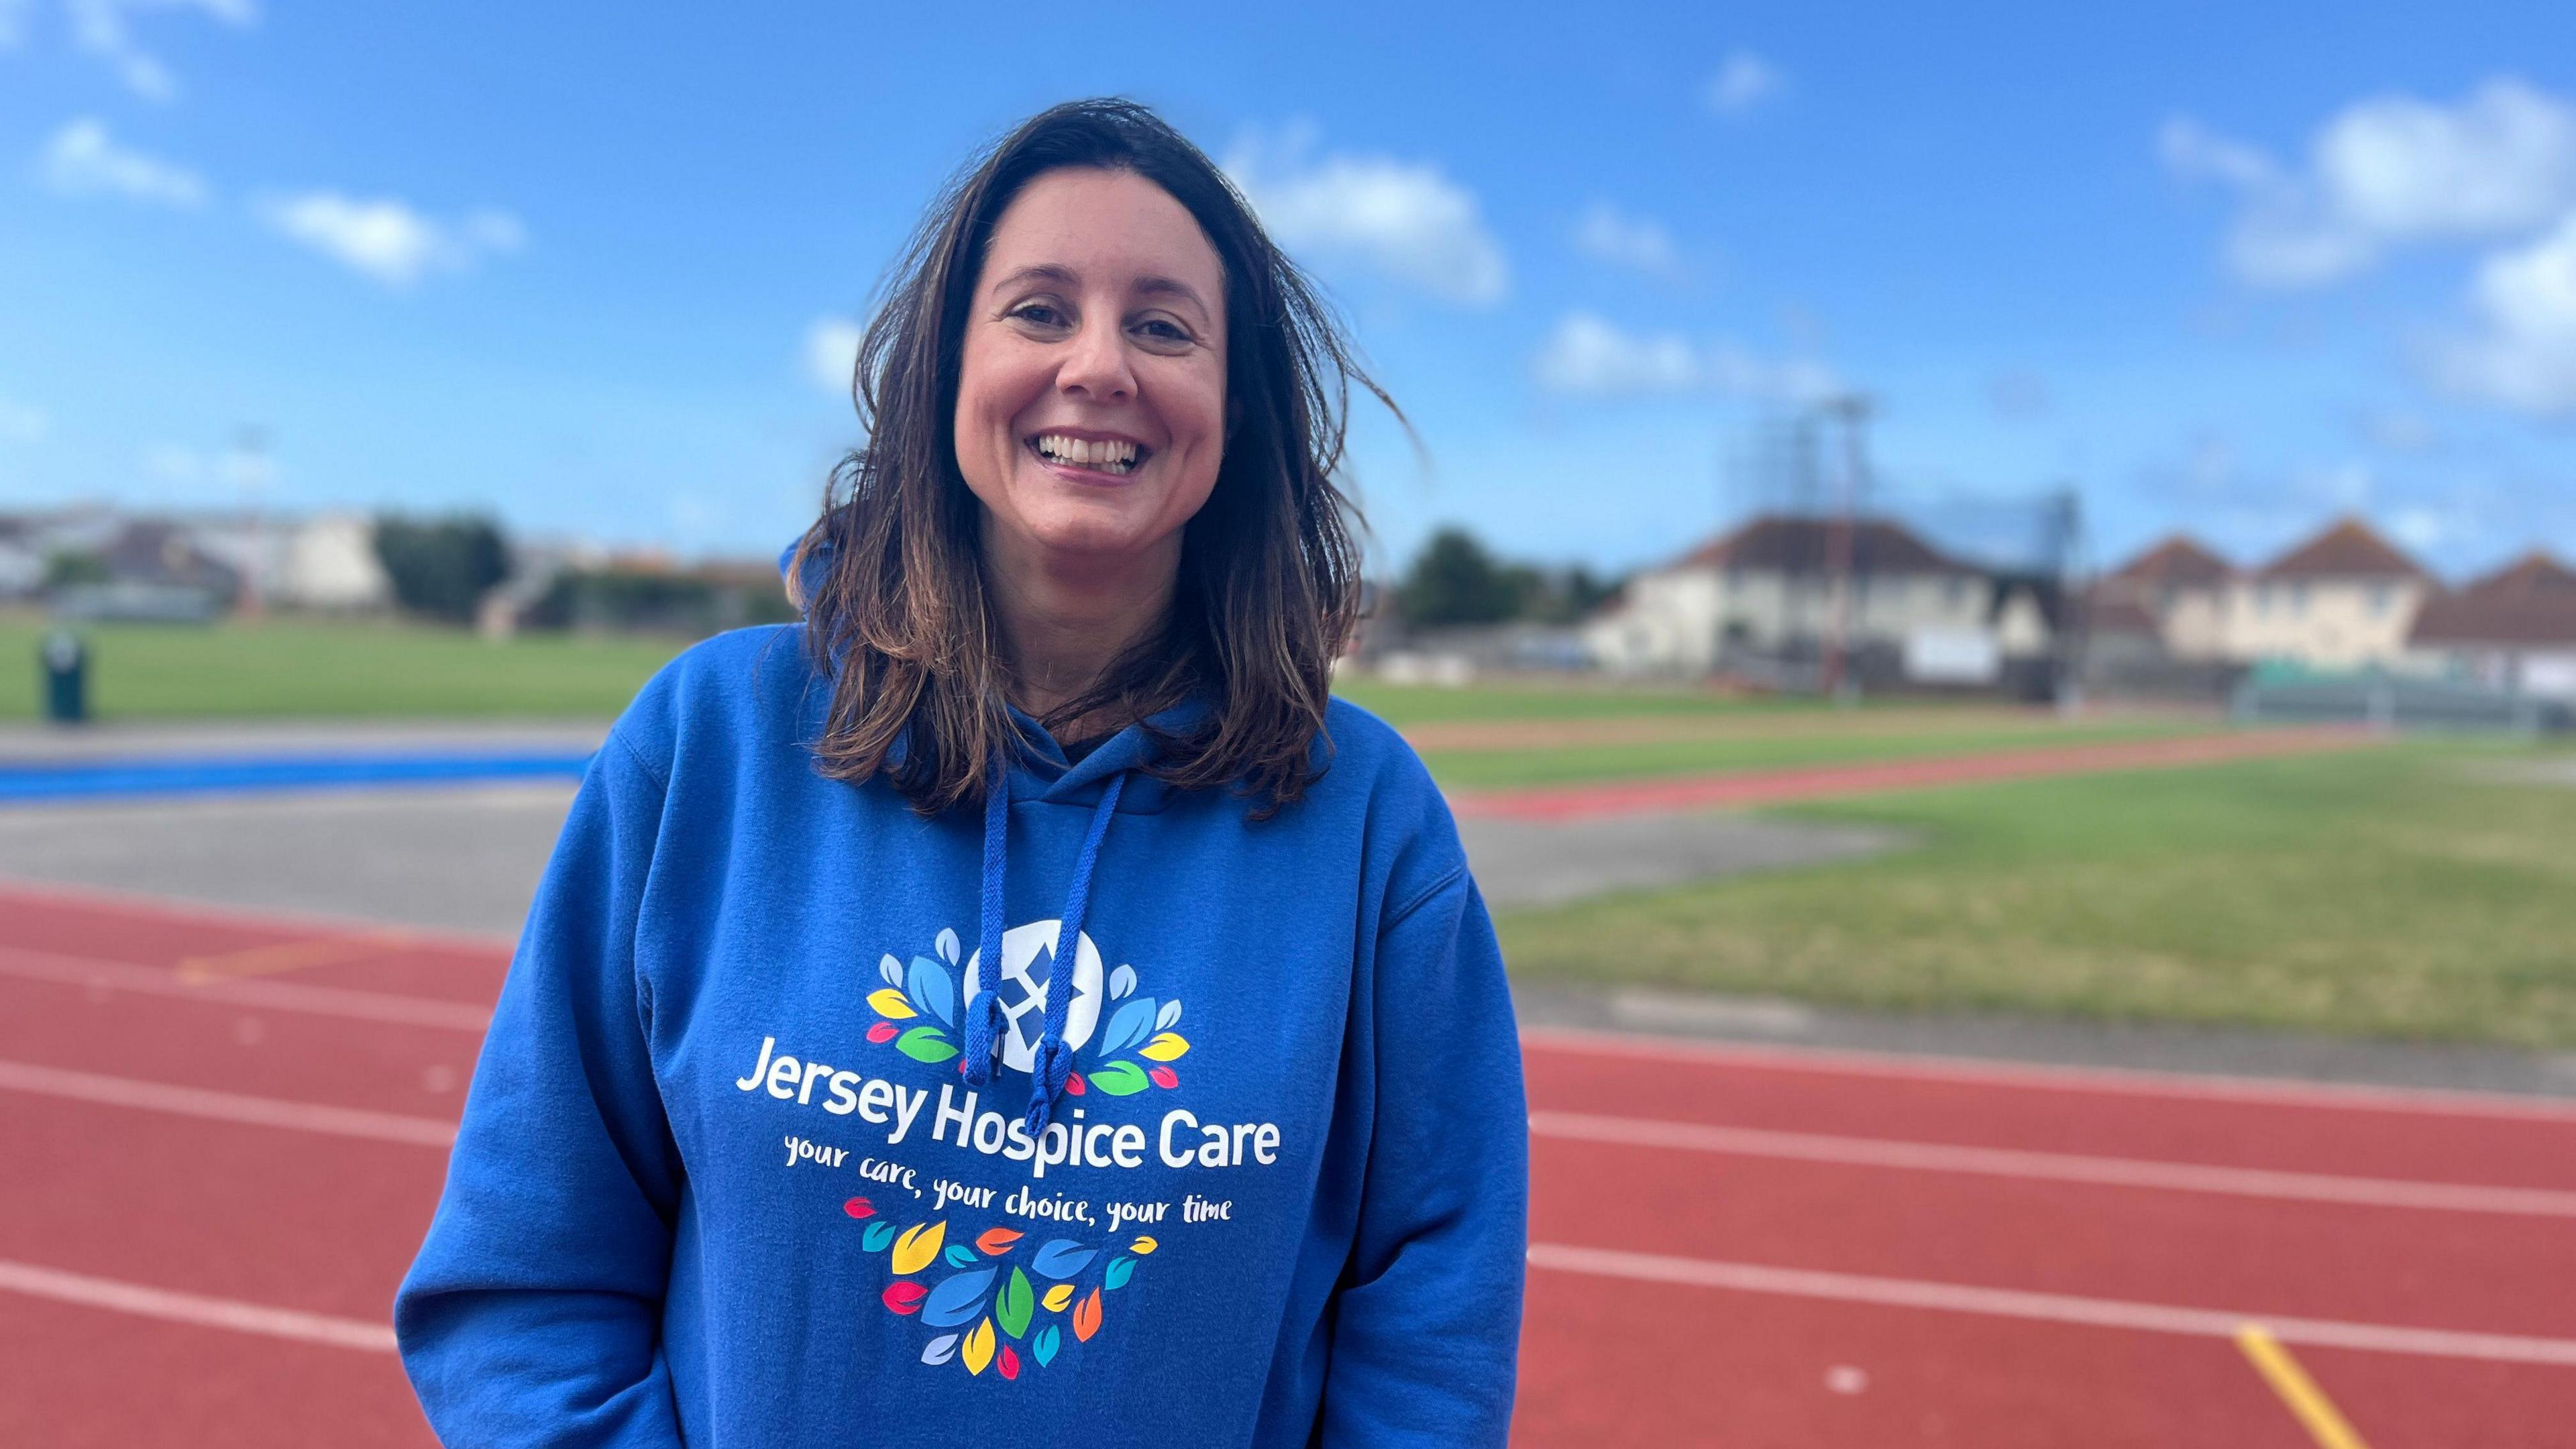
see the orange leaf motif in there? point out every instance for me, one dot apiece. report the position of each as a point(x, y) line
point(996, 1241)
point(1086, 1317)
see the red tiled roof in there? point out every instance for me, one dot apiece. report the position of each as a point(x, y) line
point(2532, 601)
point(1804, 546)
point(2348, 550)
point(2180, 559)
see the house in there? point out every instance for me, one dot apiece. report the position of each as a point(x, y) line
point(2342, 600)
point(2514, 629)
point(1774, 588)
point(2180, 589)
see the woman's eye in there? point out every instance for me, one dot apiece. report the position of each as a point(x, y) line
point(1040, 314)
point(1162, 331)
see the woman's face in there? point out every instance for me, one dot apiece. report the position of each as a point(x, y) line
point(1091, 393)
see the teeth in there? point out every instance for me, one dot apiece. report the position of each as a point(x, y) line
point(1106, 456)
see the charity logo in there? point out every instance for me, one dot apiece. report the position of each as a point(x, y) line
point(1004, 1299)
point(918, 1008)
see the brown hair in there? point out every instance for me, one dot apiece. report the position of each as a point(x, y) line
point(892, 577)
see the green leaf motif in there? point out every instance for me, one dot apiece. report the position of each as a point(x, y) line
point(1045, 1344)
point(1119, 1079)
point(928, 1044)
point(1120, 1270)
point(1017, 1302)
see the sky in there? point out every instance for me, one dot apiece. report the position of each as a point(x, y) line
point(2236, 270)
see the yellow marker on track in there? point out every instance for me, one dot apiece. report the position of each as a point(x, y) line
point(2309, 1403)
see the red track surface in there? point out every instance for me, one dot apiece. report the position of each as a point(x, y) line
point(1883, 1251)
point(1735, 789)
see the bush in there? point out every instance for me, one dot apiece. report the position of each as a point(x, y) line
point(667, 603)
point(442, 567)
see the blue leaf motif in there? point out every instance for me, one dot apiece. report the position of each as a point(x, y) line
point(1128, 1025)
point(891, 970)
point(946, 945)
point(1164, 1018)
point(960, 1256)
point(1044, 1345)
point(1062, 1258)
point(1120, 1270)
point(941, 1349)
point(931, 990)
point(1121, 981)
point(957, 1300)
point(879, 1234)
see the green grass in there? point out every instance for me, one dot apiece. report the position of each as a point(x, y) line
point(2385, 892)
point(1503, 769)
point(1406, 705)
point(316, 669)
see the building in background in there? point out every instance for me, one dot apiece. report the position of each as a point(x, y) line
point(2344, 599)
point(2178, 591)
point(2514, 630)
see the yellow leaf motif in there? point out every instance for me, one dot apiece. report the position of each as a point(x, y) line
point(1142, 1246)
point(1167, 1046)
point(979, 1347)
point(1058, 1296)
point(890, 1003)
point(918, 1246)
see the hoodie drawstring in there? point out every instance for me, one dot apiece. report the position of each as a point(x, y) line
point(1054, 1058)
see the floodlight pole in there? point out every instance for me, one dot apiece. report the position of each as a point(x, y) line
point(1853, 410)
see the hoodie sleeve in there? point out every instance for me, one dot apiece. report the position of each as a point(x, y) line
point(532, 1315)
point(1428, 1322)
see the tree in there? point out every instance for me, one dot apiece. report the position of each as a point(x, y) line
point(1455, 581)
point(442, 566)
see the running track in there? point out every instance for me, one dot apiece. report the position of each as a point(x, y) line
point(224, 1136)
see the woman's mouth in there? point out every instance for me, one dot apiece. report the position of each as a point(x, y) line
point(1115, 457)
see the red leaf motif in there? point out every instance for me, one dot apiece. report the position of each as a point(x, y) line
point(1073, 1083)
point(859, 1207)
point(1164, 1076)
point(1010, 1363)
point(881, 1033)
point(904, 1296)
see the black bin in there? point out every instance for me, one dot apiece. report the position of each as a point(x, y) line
point(65, 660)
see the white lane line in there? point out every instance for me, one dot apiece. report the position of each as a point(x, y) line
point(205, 1312)
point(224, 1106)
point(2055, 1166)
point(1906, 1066)
point(338, 1001)
point(2046, 1307)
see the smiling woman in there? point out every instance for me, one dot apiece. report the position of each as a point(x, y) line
point(1080, 593)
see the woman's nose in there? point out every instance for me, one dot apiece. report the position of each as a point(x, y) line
point(1097, 365)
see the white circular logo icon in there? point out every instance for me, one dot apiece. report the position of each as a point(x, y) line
point(1024, 1000)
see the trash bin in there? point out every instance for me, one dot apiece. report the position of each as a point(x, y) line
point(66, 667)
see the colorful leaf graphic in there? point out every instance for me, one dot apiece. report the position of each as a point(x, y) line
point(1128, 1025)
point(890, 1003)
point(1164, 1077)
point(881, 1033)
point(1121, 981)
point(1016, 1302)
point(879, 1234)
point(926, 1044)
point(890, 969)
point(1044, 1345)
point(994, 1242)
point(979, 1347)
point(1143, 1246)
point(1120, 1270)
point(859, 1207)
point(1062, 1258)
point(940, 1349)
point(957, 1299)
point(1056, 1297)
point(1163, 1019)
point(1119, 1079)
point(930, 988)
point(1086, 1317)
point(1008, 1363)
point(904, 1295)
point(1073, 1083)
point(946, 945)
point(959, 1256)
point(918, 1245)
point(1170, 1046)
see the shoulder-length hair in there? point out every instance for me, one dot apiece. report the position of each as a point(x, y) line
point(899, 615)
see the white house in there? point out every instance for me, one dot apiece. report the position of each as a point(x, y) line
point(2344, 599)
point(2515, 628)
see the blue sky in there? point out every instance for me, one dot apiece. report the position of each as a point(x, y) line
point(2226, 271)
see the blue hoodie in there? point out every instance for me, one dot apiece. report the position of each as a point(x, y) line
point(739, 1167)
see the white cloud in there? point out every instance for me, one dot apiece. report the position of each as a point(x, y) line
point(1744, 81)
point(2524, 354)
point(2385, 172)
point(100, 27)
point(83, 158)
point(174, 465)
point(1407, 220)
point(1636, 242)
point(2423, 529)
point(21, 422)
point(386, 239)
point(1587, 356)
point(832, 353)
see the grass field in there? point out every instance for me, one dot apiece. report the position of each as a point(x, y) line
point(2402, 891)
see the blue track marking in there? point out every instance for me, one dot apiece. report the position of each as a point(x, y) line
point(22, 784)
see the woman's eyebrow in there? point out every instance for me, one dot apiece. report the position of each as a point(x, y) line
point(1152, 286)
point(1061, 276)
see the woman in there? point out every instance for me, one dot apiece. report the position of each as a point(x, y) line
point(1015, 1001)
